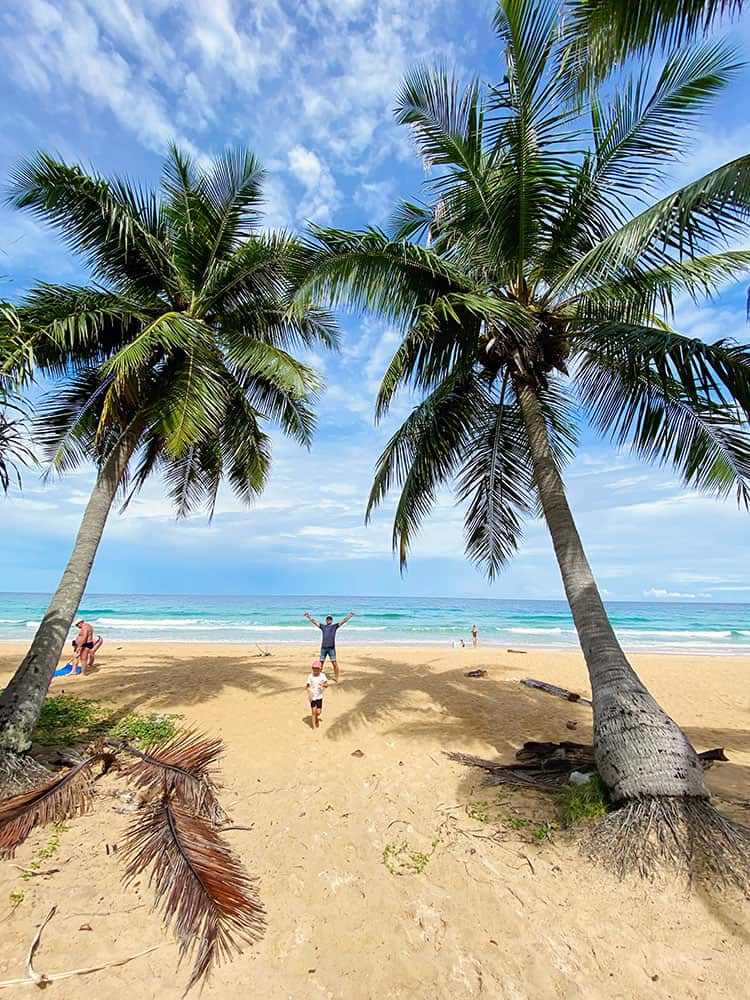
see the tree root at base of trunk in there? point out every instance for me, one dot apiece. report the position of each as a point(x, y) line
point(20, 773)
point(687, 834)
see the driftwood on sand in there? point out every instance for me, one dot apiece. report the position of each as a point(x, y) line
point(555, 690)
point(547, 766)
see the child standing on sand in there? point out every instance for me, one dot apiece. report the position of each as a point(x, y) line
point(315, 684)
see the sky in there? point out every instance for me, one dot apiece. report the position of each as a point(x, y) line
point(310, 88)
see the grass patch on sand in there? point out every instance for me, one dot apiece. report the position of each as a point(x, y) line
point(583, 803)
point(69, 720)
point(399, 859)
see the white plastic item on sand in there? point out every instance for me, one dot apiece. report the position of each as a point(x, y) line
point(579, 778)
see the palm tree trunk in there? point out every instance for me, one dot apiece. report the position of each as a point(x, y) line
point(22, 700)
point(640, 752)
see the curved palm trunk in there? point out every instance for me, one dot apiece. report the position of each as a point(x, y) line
point(22, 700)
point(640, 752)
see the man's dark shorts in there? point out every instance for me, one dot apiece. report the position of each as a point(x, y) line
point(329, 651)
point(316, 703)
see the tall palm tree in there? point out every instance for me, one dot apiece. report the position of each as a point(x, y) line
point(532, 287)
point(173, 361)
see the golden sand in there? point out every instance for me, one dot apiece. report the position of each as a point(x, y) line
point(332, 811)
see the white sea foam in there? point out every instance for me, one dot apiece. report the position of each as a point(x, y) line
point(535, 631)
point(674, 635)
point(146, 622)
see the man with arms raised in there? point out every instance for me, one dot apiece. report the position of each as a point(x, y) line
point(328, 640)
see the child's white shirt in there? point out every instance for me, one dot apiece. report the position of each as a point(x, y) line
point(316, 685)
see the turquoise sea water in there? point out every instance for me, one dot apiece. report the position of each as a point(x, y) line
point(678, 628)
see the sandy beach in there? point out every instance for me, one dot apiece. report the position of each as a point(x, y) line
point(337, 812)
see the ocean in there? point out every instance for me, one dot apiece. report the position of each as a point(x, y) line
point(267, 621)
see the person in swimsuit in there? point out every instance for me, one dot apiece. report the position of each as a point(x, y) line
point(98, 643)
point(474, 636)
point(328, 639)
point(84, 642)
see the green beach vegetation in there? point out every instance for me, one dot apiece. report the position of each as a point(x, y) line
point(172, 360)
point(534, 287)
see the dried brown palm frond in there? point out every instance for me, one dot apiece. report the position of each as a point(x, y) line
point(65, 796)
point(185, 765)
point(201, 887)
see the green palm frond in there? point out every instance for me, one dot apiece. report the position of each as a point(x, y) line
point(71, 325)
point(707, 444)
point(692, 221)
point(638, 295)
point(706, 373)
point(634, 140)
point(496, 483)
point(117, 230)
point(424, 454)
point(15, 450)
point(67, 419)
point(367, 270)
point(246, 449)
point(605, 32)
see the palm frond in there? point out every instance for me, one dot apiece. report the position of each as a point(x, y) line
point(68, 418)
point(424, 453)
point(603, 33)
point(201, 888)
point(185, 765)
point(14, 447)
point(117, 229)
point(692, 221)
point(497, 484)
point(246, 450)
point(706, 373)
point(368, 271)
point(63, 797)
point(639, 294)
point(707, 444)
point(635, 140)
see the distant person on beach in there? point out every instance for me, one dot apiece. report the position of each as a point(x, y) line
point(84, 642)
point(474, 636)
point(328, 639)
point(316, 682)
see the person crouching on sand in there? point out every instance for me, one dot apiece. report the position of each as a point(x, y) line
point(315, 684)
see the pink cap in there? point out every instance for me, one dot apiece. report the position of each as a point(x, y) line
point(316, 663)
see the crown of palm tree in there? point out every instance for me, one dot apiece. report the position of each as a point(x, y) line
point(183, 343)
point(542, 257)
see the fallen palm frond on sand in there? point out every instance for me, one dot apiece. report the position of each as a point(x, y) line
point(548, 766)
point(201, 887)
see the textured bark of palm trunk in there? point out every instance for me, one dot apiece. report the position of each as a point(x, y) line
point(640, 752)
point(22, 700)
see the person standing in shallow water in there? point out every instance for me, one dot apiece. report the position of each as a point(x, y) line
point(474, 636)
point(328, 639)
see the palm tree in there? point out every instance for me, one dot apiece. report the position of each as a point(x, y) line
point(532, 287)
point(172, 361)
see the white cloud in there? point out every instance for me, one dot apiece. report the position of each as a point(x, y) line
point(661, 593)
point(321, 193)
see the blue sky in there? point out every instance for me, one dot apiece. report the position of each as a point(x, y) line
point(310, 88)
